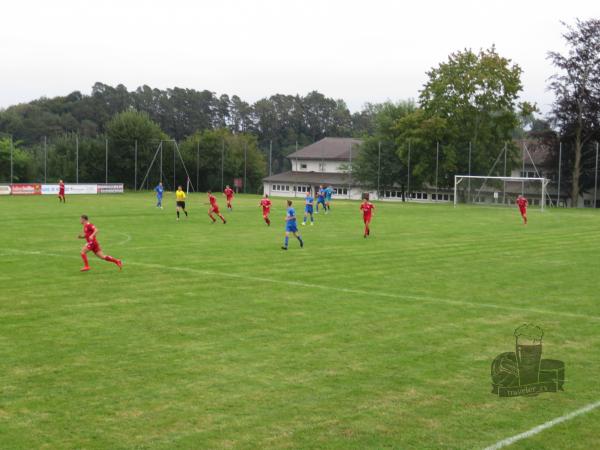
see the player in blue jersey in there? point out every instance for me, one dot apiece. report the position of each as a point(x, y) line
point(328, 194)
point(291, 226)
point(320, 198)
point(159, 195)
point(308, 208)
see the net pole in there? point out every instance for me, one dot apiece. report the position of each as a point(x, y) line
point(174, 162)
point(504, 182)
point(408, 172)
point(596, 177)
point(198, 164)
point(135, 158)
point(437, 156)
point(270, 156)
point(245, 163)
point(161, 162)
point(523, 169)
point(106, 160)
point(559, 170)
point(77, 159)
point(455, 190)
point(378, 168)
point(45, 159)
point(11, 160)
point(222, 164)
point(469, 179)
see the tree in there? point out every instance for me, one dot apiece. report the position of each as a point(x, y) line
point(475, 95)
point(382, 166)
point(202, 153)
point(21, 161)
point(122, 131)
point(576, 109)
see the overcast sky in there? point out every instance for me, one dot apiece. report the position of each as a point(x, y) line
point(360, 51)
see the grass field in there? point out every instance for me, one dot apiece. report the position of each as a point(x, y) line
point(213, 337)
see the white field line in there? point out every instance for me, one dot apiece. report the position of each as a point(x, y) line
point(511, 440)
point(336, 289)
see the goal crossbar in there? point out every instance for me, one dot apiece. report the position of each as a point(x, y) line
point(459, 178)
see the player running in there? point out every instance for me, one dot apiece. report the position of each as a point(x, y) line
point(180, 197)
point(214, 208)
point(89, 234)
point(522, 203)
point(308, 209)
point(265, 203)
point(368, 210)
point(61, 192)
point(159, 195)
point(320, 198)
point(291, 226)
point(328, 194)
point(228, 192)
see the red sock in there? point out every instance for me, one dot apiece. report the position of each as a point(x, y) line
point(110, 259)
point(268, 221)
point(85, 260)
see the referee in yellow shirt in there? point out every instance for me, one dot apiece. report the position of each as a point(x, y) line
point(180, 201)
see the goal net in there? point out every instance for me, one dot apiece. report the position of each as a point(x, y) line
point(500, 191)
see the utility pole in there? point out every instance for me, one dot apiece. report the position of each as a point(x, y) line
point(559, 170)
point(45, 159)
point(378, 168)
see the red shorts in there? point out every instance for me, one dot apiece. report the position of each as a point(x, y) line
point(61, 193)
point(93, 246)
point(266, 212)
point(523, 211)
point(214, 209)
point(367, 218)
point(229, 199)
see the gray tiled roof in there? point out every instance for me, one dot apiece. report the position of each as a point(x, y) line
point(329, 148)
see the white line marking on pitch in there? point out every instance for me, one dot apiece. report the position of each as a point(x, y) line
point(511, 440)
point(329, 288)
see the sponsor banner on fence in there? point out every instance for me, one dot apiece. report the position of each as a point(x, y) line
point(4, 189)
point(26, 189)
point(74, 189)
point(49, 189)
point(110, 188)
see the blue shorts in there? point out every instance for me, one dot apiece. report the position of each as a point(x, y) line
point(291, 227)
point(308, 209)
point(321, 200)
point(327, 199)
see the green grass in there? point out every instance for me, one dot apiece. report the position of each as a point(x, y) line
point(213, 337)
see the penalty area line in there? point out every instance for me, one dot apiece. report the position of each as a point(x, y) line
point(336, 289)
point(511, 440)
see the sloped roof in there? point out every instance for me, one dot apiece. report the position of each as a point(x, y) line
point(310, 177)
point(329, 148)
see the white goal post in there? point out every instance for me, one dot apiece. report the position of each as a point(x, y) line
point(458, 179)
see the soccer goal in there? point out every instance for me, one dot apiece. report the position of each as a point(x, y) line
point(498, 191)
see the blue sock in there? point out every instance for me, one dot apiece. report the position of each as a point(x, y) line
point(300, 239)
point(286, 241)
point(312, 219)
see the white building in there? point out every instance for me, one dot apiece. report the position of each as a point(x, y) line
point(326, 162)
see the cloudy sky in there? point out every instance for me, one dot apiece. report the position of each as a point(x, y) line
point(361, 51)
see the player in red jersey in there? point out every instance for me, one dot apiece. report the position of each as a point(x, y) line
point(265, 203)
point(61, 191)
point(89, 234)
point(214, 208)
point(228, 192)
point(368, 209)
point(522, 204)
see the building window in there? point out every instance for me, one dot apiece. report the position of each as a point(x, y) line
point(340, 191)
point(303, 166)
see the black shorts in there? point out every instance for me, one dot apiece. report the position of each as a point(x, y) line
point(181, 205)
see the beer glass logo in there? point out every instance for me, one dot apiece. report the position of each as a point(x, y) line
point(524, 372)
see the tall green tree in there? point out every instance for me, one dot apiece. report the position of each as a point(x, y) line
point(123, 131)
point(21, 161)
point(206, 153)
point(576, 108)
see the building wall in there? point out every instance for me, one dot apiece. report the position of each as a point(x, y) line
point(283, 189)
point(303, 165)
